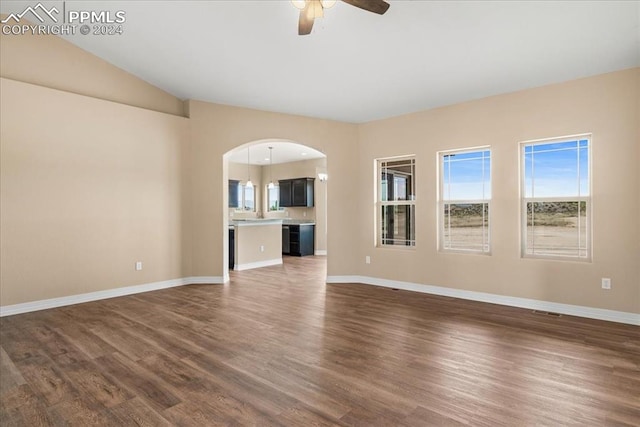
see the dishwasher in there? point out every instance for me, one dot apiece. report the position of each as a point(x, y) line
point(286, 247)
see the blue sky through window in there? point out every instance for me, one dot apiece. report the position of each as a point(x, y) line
point(557, 169)
point(467, 175)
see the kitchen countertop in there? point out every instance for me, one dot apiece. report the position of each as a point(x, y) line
point(255, 221)
point(268, 221)
point(252, 222)
point(298, 222)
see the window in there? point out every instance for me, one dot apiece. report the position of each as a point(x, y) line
point(465, 196)
point(234, 202)
point(396, 202)
point(249, 198)
point(273, 198)
point(241, 197)
point(556, 202)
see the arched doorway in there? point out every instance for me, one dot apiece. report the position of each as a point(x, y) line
point(265, 164)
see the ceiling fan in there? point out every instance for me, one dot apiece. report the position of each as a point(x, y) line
point(312, 9)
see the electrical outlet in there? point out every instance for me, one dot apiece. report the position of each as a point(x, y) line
point(261, 248)
point(138, 265)
point(606, 283)
point(367, 259)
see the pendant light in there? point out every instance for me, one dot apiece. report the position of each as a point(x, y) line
point(271, 185)
point(249, 183)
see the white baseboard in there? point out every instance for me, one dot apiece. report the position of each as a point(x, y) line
point(9, 310)
point(259, 264)
point(568, 309)
point(573, 310)
point(204, 280)
point(319, 252)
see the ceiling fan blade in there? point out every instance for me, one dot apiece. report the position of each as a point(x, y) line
point(305, 22)
point(375, 6)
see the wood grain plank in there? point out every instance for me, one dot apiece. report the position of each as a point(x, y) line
point(422, 416)
point(91, 380)
point(21, 407)
point(135, 412)
point(216, 409)
point(80, 412)
point(86, 341)
point(151, 389)
point(242, 387)
point(48, 381)
point(10, 376)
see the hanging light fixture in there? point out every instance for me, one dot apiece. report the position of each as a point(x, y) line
point(310, 10)
point(271, 185)
point(249, 183)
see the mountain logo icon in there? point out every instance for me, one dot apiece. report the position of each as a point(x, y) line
point(38, 11)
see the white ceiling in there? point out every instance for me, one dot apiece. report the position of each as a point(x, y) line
point(357, 66)
point(283, 152)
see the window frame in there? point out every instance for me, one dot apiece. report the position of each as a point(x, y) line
point(441, 202)
point(267, 199)
point(379, 203)
point(242, 198)
point(587, 199)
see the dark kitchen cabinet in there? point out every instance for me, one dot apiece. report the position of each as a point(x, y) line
point(286, 193)
point(296, 192)
point(301, 239)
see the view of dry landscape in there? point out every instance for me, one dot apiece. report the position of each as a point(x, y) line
point(553, 228)
point(466, 226)
point(557, 228)
point(466, 192)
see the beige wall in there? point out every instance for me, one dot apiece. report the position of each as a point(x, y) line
point(88, 188)
point(53, 62)
point(605, 105)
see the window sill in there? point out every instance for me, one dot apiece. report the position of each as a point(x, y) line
point(463, 252)
point(397, 247)
point(578, 260)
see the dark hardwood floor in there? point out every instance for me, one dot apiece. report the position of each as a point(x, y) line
point(279, 347)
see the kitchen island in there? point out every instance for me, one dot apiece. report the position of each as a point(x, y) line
point(257, 243)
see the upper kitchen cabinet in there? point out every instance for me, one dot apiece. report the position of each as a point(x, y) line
point(286, 192)
point(296, 192)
